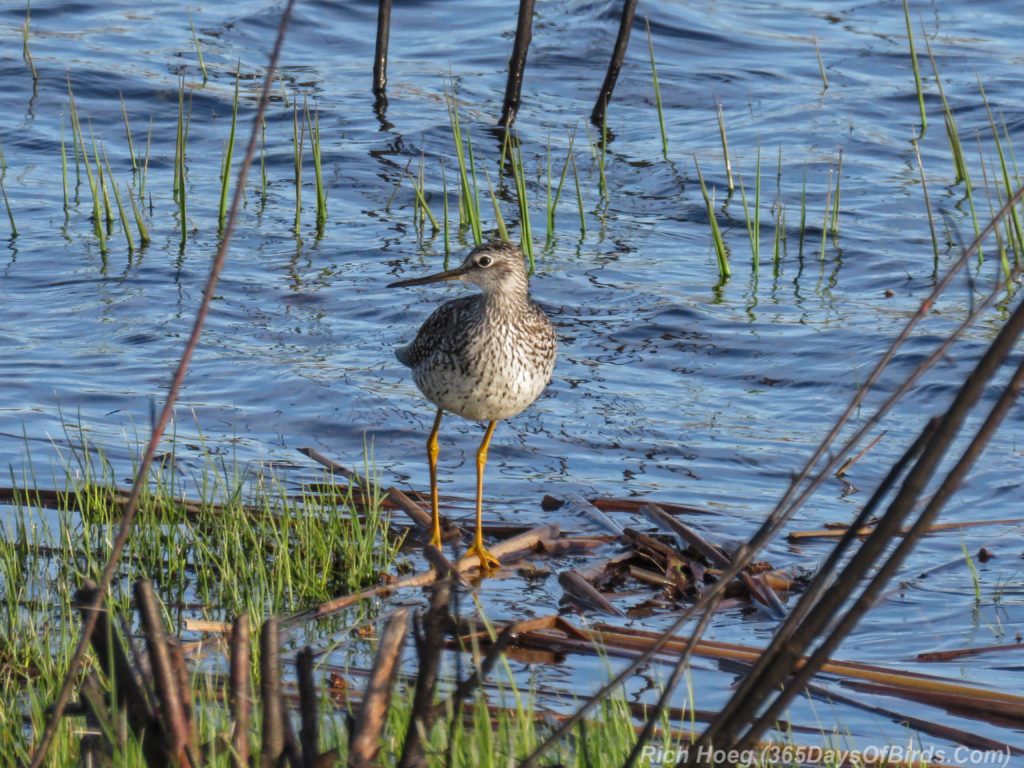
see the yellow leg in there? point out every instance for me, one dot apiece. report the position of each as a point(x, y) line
point(432, 451)
point(487, 560)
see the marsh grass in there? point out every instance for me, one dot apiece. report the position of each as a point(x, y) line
point(246, 545)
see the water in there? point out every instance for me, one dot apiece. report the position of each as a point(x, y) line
point(670, 385)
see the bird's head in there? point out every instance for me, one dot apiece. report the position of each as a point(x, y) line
point(497, 267)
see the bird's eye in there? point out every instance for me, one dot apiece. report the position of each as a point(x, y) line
point(484, 261)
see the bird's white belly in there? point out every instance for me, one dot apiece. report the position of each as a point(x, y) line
point(490, 380)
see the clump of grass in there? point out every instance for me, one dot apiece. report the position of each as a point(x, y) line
point(716, 234)
point(657, 92)
point(242, 547)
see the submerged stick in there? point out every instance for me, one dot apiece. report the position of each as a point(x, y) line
point(240, 690)
point(517, 63)
point(597, 116)
point(366, 736)
point(380, 54)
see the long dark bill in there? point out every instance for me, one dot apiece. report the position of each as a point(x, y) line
point(451, 274)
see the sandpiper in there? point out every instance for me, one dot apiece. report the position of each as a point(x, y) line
point(484, 357)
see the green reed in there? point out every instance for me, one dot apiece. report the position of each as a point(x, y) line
point(181, 140)
point(444, 209)
point(803, 211)
point(753, 223)
point(498, 218)
point(3, 193)
point(1013, 225)
point(25, 53)
point(519, 176)
point(199, 50)
point(64, 167)
point(122, 215)
point(225, 164)
point(318, 173)
point(821, 66)
point(657, 92)
point(579, 195)
point(956, 148)
point(725, 146)
point(76, 128)
point(469, 209)
point(552, 200)
point(917, 70)
point(127, 131)
point(419, 187)
point(298, 143)
point(716, 233)
point(927, 201)
point(834, 224)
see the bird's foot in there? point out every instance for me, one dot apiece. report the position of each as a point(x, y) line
point(488, 562)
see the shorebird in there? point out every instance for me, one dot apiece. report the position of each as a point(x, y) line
point(484, 357)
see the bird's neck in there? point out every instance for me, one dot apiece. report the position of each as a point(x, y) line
point(506, 298)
